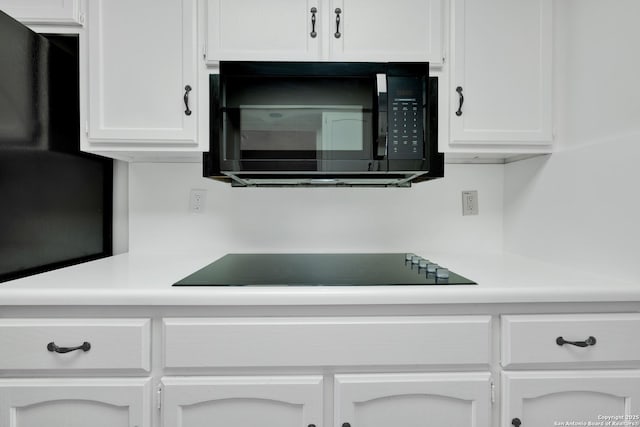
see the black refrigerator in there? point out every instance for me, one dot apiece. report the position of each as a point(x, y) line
point(55, 201)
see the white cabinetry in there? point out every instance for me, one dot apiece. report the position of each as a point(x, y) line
point(268, 401)
point(548, 398)
point(328, 344)
point(45, 12)
point(262, 30)
point(501, 54)
point(110, 344)
point(570, 341)
point(402, 30)
point(142, 82)
point(439, 399)
point(75, 402)
point(327, 341)
point(338, 30)
point(46, 348)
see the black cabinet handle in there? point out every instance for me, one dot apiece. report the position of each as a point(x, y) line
point(346, 425)
point(187, 89)
point(459, 90)
point(313, 33)
point(516, 422)
point(338, 11)
point(588, 342)
point(54, 348)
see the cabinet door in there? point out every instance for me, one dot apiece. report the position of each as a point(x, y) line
point(44, 11)
point(502, 64)
point(402, 30)
point(142, 55)
point(75, 403)
point(413, 400)
point(269, 401)
point(550, 398)
point(263, 30)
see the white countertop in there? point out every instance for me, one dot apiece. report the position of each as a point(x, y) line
point(146, 279)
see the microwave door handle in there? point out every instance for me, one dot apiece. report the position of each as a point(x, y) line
point(381, 140)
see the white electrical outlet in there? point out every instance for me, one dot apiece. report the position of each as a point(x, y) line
point(197, 200)
point(470, 202)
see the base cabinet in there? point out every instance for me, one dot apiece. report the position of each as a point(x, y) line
point(413, 400)
point(571, 398)
point(265, 401)
point(76, 402)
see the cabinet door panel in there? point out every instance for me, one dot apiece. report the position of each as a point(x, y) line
point(269, 30)
point(413, 400)
point(269, 401)
point(74, 403)
point(548, 398)
point(403, 30)
point(44, 11)
point(502, 61)
point(142, 54)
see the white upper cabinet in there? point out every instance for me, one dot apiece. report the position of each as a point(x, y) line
point(312, 30)
point(500, 87)
point(402, 30)
point(142, 82)
point(39, 12)
point(262, 30)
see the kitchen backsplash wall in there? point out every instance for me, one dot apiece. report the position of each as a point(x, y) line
point(580, 206)
point(424, 218)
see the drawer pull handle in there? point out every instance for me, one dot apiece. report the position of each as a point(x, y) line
point(54, 348)
point(346, 425)
point(516, 422)
point(588, 342)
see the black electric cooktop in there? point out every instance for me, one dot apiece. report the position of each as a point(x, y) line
point(322, 270)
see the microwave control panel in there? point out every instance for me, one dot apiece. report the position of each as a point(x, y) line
point(405, 118)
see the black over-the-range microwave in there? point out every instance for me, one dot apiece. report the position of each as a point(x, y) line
point(323, 124)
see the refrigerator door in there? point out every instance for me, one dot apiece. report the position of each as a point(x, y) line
point(55, 202)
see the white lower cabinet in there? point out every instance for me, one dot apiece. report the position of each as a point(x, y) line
point(77, 402)
point(571, 398)
point(605, 394)
point(242, 401)
point(413, 400)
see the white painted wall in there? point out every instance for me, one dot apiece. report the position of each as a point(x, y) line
point(421, 219)
point(580, 205)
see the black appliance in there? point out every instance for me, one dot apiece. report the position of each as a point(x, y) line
point(323, 123)
point(55, 202)
point(323, 270)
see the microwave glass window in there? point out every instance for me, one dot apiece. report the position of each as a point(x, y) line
point(302, 118)
point(302, 127)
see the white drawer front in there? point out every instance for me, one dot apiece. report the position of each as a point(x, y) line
point(531, 339)
point(114, 343)
point(333, 341)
